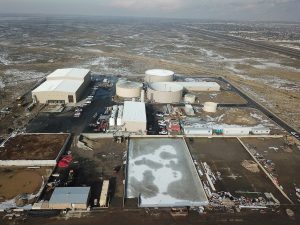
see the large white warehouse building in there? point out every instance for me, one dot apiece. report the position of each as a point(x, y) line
point(134, 117)
point(63, 86)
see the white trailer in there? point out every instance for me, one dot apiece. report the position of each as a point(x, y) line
point(197, 130)
point(120, 115)
point(236, 130)
point(260, 130)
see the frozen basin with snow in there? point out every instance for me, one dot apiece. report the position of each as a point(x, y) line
point(162, 174)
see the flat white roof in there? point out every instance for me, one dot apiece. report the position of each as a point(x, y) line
point(71, 73)
point(159, 72)
point(162, 174)
point(198, 84)
point(59, 85)
point(134, 112)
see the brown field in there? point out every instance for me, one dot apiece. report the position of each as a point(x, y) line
point(15, 181)
point(33, 147)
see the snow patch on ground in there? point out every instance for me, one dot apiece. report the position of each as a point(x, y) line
point(266, 65)
point(15, 75)
point(4, 59)
point(106, 65)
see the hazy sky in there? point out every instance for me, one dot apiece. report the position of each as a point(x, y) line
point(203, 9)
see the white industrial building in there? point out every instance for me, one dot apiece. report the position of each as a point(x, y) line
point(236, 130)
point(164, 92)
point(134, 117)
point(200, 86)
point(70, 198)
point(128, 89)
point(63, 86)
point(158, 75)
point(260, 130)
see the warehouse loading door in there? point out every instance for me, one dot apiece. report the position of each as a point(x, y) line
point(70, 98)
point(56, 102)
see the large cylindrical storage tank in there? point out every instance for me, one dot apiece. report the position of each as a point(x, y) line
point(159, 75)
point(189, 98)
point(210, 107)
point(164, 92)
point(128, 89)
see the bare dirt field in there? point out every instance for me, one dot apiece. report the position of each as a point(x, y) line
point(33, 147)
point(286, 159)
point(15, 181)
point(227, 156)
point(221, 97)
point(152, 217)
point(237, 116)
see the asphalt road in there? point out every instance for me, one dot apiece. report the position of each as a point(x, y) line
point(258, 44)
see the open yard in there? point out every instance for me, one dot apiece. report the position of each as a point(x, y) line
point(285, 158)
point(239, 174)
point(18, 180)
point(104, 161)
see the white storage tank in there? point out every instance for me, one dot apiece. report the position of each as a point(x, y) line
point(210, 107)
point(189, 98)
point(164, 92)
point(159, 75)
point(128, 89)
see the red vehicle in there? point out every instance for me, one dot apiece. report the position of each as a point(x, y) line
point(102, 127)
point(65, 161)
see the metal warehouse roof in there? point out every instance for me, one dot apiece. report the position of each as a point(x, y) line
point(70, 195)
point(59, 85)
point(68, 73)
point(134, 112)
point(199, 84)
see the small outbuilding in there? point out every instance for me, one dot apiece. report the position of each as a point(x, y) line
point(70, 198)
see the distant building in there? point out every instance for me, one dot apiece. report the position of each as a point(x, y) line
point(134, 117)
point(63, 86)
point(70, 198)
